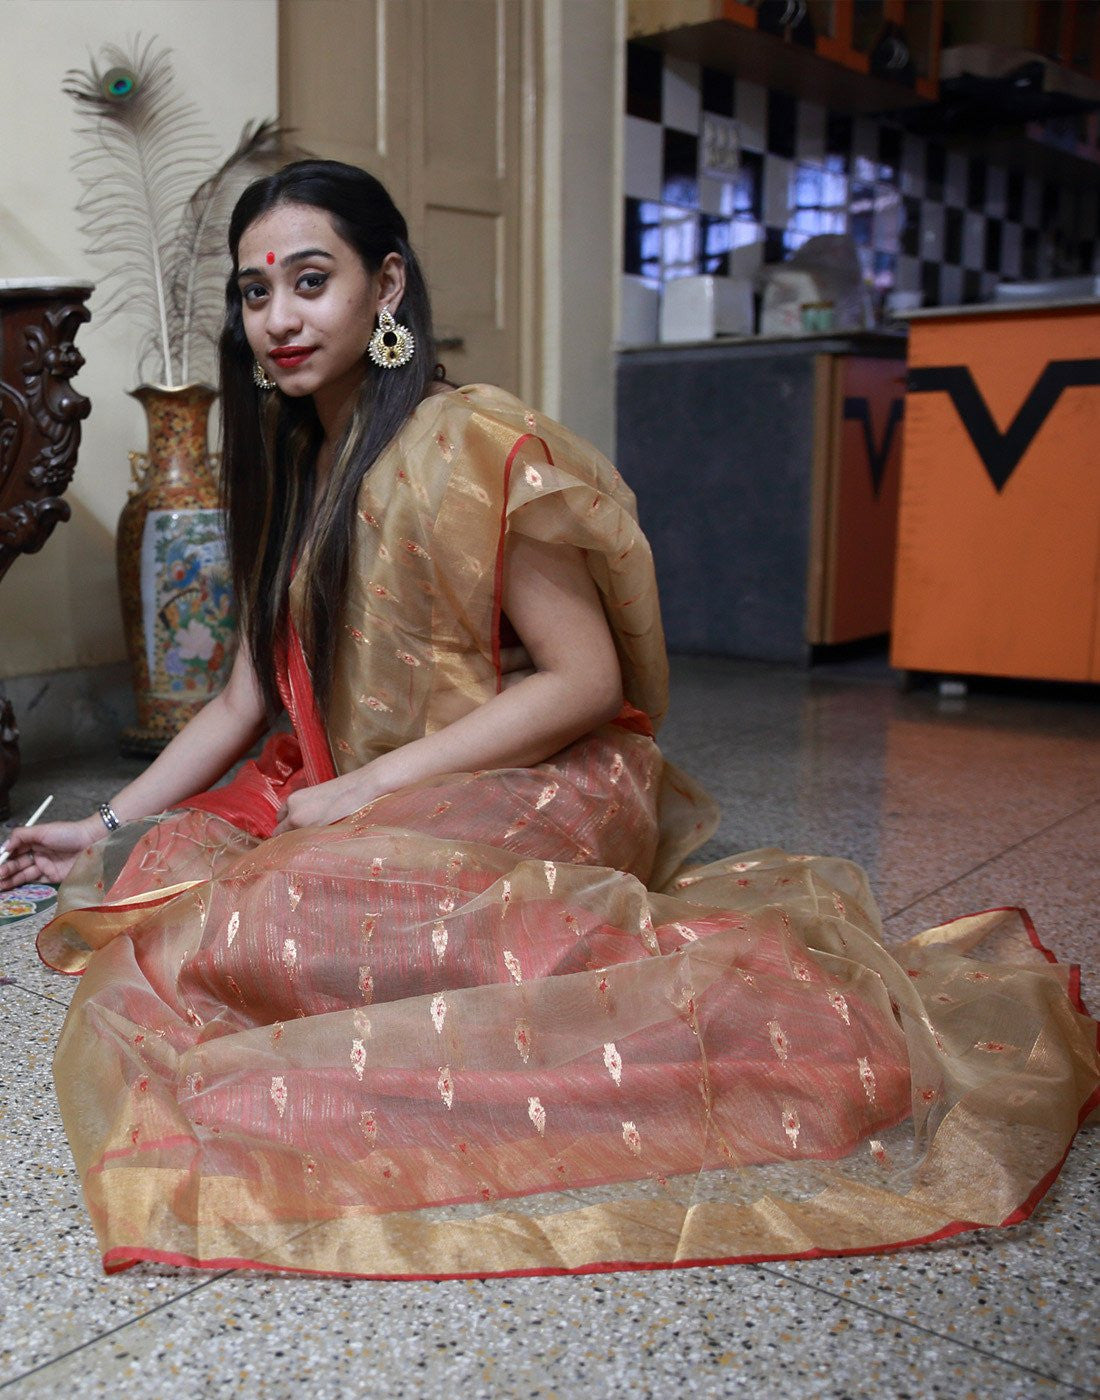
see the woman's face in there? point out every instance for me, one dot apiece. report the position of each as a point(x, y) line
point(308, 303)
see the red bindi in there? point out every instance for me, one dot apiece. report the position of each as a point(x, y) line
point(270, 259)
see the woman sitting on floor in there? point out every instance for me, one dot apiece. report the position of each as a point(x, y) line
point(427, 988)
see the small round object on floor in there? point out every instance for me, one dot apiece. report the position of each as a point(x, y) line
point(25, 900)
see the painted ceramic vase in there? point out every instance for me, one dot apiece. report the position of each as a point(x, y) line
point(177, 601)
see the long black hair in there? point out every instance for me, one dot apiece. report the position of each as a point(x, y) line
point(270, 442)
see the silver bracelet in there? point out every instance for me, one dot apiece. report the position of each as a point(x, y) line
point(110, 819)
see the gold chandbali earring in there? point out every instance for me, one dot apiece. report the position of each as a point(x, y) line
point(391, 345)
point(259, 378)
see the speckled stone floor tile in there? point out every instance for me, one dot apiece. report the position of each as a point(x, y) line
point(952, 805)
point(916, 790)
point(53, 1293)
point(1028, 1293)
point(1055, 875)
point(20, 962)
point(691, 1332)
point(36, 1173)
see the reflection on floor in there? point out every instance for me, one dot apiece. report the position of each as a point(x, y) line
point(953, 804)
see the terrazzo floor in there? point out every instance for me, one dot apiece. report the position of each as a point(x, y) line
point(953, 805)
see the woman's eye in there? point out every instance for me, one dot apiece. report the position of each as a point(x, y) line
point(312, 281)
point(254, 292)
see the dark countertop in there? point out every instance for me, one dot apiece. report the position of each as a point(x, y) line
point(874, 342)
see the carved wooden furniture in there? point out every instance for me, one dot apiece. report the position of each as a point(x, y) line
point(40, 417)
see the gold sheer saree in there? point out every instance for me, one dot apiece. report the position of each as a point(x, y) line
point(491, 1024)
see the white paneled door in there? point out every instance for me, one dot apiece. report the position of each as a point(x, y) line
point(429, 95)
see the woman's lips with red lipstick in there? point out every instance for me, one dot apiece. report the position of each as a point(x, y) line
point(289, 356)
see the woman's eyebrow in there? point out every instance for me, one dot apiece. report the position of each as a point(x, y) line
point(291, 258)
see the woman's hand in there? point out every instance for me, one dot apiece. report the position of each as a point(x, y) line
point(329, 802)
point(46, 852)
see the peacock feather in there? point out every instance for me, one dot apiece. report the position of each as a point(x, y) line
point(200, 266)
point(151, 211)
point(145, 152)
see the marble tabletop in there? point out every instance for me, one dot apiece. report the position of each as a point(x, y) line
point(20, 286)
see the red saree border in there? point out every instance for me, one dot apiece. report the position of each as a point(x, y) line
point(1074, 990)
point(154, 903)
point(498, 567)
point(308, 729)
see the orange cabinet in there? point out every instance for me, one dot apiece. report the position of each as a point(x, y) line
point(857, 472)
point(998, 564)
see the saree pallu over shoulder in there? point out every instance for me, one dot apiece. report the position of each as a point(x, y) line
point(492, 1024)
point(420, 635)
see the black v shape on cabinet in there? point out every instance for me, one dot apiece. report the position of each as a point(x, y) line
point(859, 410)
point(1001, 452)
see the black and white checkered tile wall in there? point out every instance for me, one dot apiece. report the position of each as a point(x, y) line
point(924, 218)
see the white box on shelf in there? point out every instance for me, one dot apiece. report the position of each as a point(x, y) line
point(700, 308)
point(638, 311)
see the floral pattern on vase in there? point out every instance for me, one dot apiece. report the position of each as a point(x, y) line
point(186, 603)
point(177, 602)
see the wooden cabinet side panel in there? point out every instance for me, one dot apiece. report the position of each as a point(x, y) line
point(821, 563)
point(866, 478)
point(1094, 662)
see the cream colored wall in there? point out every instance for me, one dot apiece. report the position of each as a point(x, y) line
point(59, 608)
point(583, 56)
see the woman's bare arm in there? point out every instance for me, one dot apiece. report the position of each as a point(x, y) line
point(204, 750)
point(196, 758)
point(576, 686)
